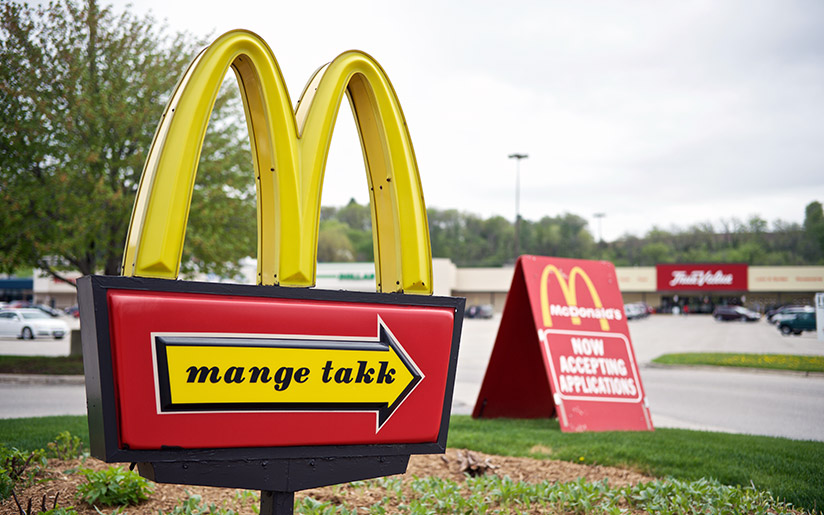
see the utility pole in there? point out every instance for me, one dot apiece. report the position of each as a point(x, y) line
point(518, 158)
point(599, 216)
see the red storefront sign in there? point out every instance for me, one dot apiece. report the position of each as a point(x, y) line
point(702, 277)
point(563, 348)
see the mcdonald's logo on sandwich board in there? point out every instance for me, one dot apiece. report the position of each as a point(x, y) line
point(563, 349)
point(186, 371)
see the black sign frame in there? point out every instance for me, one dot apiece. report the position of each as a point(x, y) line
point(278, 469)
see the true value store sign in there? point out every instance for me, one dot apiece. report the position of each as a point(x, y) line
point(697, 277)
point(275, 386)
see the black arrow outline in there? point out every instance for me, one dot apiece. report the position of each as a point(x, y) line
point(384, 342)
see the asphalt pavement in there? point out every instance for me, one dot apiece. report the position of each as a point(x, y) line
point(769, 403)
point(705, 398)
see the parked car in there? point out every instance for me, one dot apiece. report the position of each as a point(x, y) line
point(48, 310)
point(787, 312)
point(636, 310)
point(30, 323)
point(735, 313)
point(797, 323)
point(73, 311)
point(480, 311)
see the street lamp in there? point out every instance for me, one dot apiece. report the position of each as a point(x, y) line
point(599, 216)
point(518, 158)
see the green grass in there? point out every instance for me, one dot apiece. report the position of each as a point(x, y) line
point(767, 361)
point(36, 433)
point(59, 365)
point(493, 494)
point(791, 470)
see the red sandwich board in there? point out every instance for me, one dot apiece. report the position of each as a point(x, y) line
point(563, 349)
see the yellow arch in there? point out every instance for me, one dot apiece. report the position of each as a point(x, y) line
point(289, 151)
point(568, 288)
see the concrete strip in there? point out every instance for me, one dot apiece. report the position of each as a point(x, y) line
point(41, 379)
point(722, 368)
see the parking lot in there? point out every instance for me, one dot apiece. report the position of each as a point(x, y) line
point(40, 346)
point(741, 401)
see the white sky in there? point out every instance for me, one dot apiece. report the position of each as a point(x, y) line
point(654, 113)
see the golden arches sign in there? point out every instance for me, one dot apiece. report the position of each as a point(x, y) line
point(568, 288)
point(289, 150)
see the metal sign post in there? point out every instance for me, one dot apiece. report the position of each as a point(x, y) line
point(819, 316)
point(277, 387)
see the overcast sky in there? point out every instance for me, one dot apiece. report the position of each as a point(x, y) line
point(654, 113)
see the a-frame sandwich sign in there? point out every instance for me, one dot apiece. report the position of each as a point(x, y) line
point(563, 349)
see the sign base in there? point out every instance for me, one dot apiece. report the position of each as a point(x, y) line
point(276, 475)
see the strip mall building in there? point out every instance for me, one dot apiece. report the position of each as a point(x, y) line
point(695, 288)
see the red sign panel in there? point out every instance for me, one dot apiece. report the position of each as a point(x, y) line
point(564, 345)
point(702, 277)
point(592, 365)
point(219, 366)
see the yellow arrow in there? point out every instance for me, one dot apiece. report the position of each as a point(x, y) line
point(207, 372)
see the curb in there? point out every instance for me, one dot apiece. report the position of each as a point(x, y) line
point(42, 379)
point(720, 368)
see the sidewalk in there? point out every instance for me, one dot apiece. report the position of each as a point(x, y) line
point(41, 379)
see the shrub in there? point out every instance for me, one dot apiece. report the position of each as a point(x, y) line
point(65, 447)
point(193, 505)
point(60, 511)
point(113, 486)
point(18, 467)
point(43, 509)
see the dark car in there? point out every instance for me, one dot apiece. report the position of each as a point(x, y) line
point(797, 323)
point(787, 312)
point(735, 313)
point(48, 310)
point(480, 311)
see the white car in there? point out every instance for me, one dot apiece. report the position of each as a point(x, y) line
point(635, 310)
point(31, 323)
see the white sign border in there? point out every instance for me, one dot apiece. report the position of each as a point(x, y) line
point(630, 355)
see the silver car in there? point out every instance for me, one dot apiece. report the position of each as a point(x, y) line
point(31, 323)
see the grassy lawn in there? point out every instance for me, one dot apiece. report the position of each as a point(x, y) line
point(768, 361)
point(59, 365)
point(790, 469)
point(35, 433)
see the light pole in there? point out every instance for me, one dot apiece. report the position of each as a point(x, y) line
point(599, 216)
point(517, 158)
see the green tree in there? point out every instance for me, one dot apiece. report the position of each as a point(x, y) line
point(82, 89)
point(814, 232)
point(333, 242)
point(469, 240)
point(656, 252)
point(356, 216)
